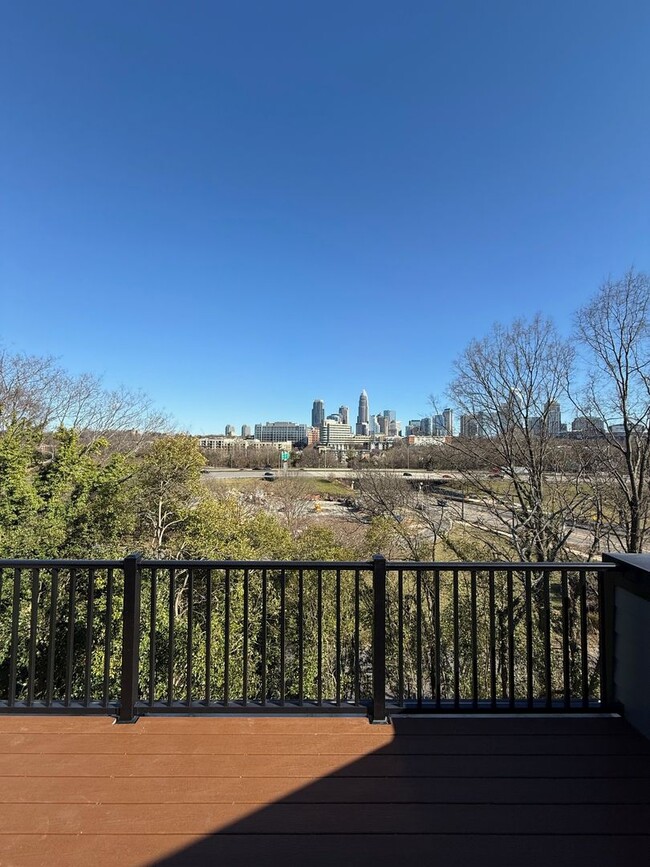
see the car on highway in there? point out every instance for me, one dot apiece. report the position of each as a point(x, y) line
point(269, 476)
point(407, 474)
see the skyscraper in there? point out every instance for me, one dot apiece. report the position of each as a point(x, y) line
point(344, 412)
point(363, 417)
point(245, 430)
point(448, 419)
point(317, 413)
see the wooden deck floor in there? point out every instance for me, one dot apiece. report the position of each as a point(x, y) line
point(265, 791)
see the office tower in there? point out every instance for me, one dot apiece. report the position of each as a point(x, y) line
point(246, 430)
point(425, 426)
point(344, 412)
point(363, 418)
point(554, 418)
point(230, 430)
point(335, 416)
point(317, 413)
point(334, 433)
point(448, 421)
point(373, 425)
point(438, 425)
point(281, 431)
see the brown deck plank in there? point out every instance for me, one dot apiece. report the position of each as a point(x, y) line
point(264, 790)
point(323, 851)
point(292, 818)
point(315, 765)
point(324, 744)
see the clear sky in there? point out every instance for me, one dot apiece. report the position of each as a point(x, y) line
point(240, 207)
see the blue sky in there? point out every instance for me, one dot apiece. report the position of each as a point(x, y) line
point(240, 207)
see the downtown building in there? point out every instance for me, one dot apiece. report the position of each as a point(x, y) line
point(282, 431)
point(335, 434)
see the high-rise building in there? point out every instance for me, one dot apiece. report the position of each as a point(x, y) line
point(478, 425)
point(230, 430)
point(281, 431)
point(363, 417)
point(373, 425)
point(344, 412)
point(317, 413)
point(554, 418)
point(334, 433)
point(246, 430)
point(448, 421)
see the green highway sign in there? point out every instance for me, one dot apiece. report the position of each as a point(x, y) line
point(284, 456)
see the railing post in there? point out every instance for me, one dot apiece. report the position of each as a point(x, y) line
point(130, 639)
point(379, 639)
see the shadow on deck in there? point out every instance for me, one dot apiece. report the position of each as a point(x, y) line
point(265, 791)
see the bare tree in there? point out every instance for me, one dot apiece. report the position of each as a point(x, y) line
point(614, 332)
point(292, 496)
point(509, 385)
point(414, 520)
point(37, 390)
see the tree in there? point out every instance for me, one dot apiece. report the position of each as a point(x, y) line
point(404, 522)
point(169, 488)
point(38, 391)
point(509, 385)
point(613, 330)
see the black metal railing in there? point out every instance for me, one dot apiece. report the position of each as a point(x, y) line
point(138, 636)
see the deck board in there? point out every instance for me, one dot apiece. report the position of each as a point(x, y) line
point(171, 791)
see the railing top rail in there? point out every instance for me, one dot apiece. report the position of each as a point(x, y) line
point(447, 566)
point(496, 565)
point(255, 564)
point(60, 564)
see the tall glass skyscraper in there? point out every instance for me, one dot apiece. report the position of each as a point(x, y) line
point(363, 416)
point(317, 413)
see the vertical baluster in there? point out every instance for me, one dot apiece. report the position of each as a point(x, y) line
point(436, 626)
point(566, 672)
point(208, 637)
point(108, 634)
point(226, 640)
point(511, 640)
point(529, 638)
point(15, 618)
point(400, 638)
point(171, 642)
point(264, 634)
point(418, 635)
point(547, 640)
point(493, 640)
point(246, 628)
point(90, 607)
point(456, 642)
point(357, 629)
point(153, 602)
point(474, 626)
point(584, 656)
point(190, 637)
point(300, 639)
point(319, 618)
point(71, 627)
point(283, 636)
point(51, 646)
point(338, 637)
point(33, 626)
